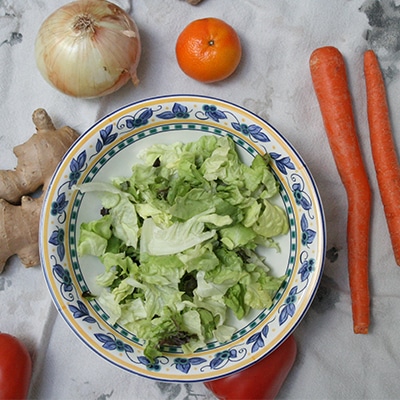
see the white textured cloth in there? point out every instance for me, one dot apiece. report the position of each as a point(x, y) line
point(273, 80)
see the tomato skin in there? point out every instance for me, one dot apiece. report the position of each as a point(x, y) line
point(263, 380)
point(15, 368)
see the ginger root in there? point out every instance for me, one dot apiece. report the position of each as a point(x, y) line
point(37, 160)
point(19, 235)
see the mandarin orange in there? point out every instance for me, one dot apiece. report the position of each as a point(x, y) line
point(208, 50)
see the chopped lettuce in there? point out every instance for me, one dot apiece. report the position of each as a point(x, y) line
point(177, 237)
point(178, 240)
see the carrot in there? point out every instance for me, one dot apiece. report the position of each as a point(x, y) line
point(383, 148)
point(328, 72)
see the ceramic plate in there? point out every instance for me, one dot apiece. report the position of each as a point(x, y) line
point(109, 149)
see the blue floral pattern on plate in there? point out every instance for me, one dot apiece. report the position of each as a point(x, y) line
point(109, 147)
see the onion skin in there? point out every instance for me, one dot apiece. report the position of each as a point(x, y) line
point(88, 48)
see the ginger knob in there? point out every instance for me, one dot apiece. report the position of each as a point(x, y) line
point(37, 160)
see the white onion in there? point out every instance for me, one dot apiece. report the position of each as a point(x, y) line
point(88, 48)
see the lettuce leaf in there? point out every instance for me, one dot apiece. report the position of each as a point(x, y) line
point(94, 236)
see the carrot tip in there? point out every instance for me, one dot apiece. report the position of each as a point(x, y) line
point(361, 330)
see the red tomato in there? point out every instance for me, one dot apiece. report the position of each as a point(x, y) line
point(263, 380)
point(15, 368)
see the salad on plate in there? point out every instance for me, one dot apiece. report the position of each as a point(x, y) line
point(178, 240)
